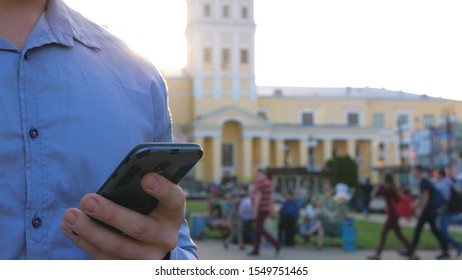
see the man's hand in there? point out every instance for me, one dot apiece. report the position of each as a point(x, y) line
point(145, 236)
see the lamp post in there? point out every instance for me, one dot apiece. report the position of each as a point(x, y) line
point(401, 123)
point(449, 116)
point(284, 180)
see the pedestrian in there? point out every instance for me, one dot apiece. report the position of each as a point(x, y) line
point(367, 189)
point(430, 203)
point(247, 216)
point(235, 224)
point(390, 191)
point(444, 184)
point(288, 219)
point(74, 100)
point(262, 203)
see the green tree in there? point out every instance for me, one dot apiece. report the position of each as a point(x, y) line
point(342, 169)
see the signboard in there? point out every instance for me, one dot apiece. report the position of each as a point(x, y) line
point(422, 143)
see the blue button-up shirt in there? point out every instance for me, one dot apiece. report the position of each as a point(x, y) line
point(73, 102)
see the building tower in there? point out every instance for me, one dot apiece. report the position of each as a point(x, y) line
point(220, 36)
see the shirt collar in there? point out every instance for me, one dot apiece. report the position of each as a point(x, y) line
point(67, 25)
point(5, 45)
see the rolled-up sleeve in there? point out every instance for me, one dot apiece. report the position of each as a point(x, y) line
point(186, 249)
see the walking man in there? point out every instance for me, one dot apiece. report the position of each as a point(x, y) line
point(262, 202)
point(431, 201)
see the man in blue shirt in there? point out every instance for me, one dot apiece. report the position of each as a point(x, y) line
point(73, 101)
point(444, 184)
point(431, 202)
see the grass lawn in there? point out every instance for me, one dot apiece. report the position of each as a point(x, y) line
point(368, 233)
point(196, 206)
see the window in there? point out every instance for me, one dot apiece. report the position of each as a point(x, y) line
point(244, 56)
point(226, 11)
point(207, 10)
point(244, 12)
point(378, 120)
point(353, 119)
point(428, 121)
point(207, 55)
point(307, 118)
point(225, 58)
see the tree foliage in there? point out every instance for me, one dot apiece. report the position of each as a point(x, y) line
point(342, 169)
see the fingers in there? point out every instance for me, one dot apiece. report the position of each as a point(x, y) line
point(138, 226)
point(102, 243)
point(145, 236)
point(172, 201)
point(70, 219)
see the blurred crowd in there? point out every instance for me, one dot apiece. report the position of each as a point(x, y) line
point(307, 217)
point(295, 218)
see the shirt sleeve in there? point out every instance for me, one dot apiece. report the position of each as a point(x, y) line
point(185, 249)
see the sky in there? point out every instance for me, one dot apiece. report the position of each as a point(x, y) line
point(409, 45)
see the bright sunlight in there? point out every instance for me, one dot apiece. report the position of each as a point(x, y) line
point(133, 21)
point(409, 45)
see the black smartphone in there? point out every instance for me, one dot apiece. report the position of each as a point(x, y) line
point(171, 160)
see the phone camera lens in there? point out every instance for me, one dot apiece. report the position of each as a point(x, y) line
point(162, 166)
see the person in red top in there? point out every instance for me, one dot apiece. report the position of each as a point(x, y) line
point(262, 203)
point(392, 194)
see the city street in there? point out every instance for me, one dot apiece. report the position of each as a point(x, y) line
point(213, 249)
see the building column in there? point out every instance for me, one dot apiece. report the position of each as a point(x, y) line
point(392, 153)
point(247, 159)
point(351, 148)
point(279, 152)
point(374, 153)
point(217, 49)
point(327, 149)
point(216, 159)
point(264, 152)
point(235, 52)
point(375, 157)
point(303, 151)
point(199, 167)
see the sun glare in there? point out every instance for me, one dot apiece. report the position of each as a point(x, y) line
point(154, 32)
point(331, 43)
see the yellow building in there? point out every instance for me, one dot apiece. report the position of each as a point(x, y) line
point(216, 103)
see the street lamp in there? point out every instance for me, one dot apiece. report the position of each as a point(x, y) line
point(401, 124)
point(449, 116)
point(311, 143)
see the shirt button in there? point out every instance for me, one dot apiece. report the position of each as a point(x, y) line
point(36, 222)
point(33, 133)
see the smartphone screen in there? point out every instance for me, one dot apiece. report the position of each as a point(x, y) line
point(171, 160)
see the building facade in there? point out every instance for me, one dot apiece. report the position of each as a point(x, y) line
point(216, 103)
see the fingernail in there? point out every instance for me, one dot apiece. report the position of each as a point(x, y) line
point(152, 182)
point(91, 205)
point(71, 218)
